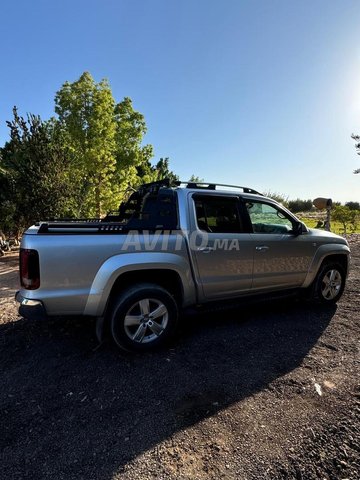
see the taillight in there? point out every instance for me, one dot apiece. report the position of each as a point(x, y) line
point(29, 269)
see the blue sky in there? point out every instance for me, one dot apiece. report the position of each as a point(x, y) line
point(259, 93)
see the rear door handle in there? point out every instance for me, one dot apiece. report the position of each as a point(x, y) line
point(262, 248)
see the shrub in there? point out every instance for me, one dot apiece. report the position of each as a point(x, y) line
point(299, 205)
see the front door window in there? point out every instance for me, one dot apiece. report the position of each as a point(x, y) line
point(267, 218)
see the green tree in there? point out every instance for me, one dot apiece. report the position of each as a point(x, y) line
point(7, 200)
point(152, 173)
point(35, 178)
point(162, 170)
point(357, 146)
point(105, 141)
point(86, 115)
point(345, 216)
point(196, 179)
point(133, 165)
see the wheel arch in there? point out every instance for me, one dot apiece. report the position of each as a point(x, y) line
point(326, 254)
point(166, 278)
point(341, 259)
point(166, 269)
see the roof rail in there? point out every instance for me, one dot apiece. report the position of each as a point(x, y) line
point(154, 187)
point(213, 186)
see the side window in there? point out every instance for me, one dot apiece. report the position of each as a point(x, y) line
point(217, 214)
point(266, 218)
point(154, 212)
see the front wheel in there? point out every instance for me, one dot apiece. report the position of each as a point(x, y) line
point(329, 284)
point(143, 318)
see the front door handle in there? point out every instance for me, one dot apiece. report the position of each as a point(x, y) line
point(206, 249)
point(262, 248)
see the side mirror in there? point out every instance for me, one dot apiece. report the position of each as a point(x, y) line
point(298, 229)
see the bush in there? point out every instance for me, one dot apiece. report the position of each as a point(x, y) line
point(278, 197)
point(298, 205)
point(353, 205)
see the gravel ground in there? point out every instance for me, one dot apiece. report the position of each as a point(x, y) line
point(263, 392)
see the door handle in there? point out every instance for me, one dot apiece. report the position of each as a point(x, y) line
point(206, 249)
point(262, 248)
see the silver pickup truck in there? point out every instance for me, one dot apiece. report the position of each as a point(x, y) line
point(169, 247)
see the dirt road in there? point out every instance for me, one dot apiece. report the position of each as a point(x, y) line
point(265, 392)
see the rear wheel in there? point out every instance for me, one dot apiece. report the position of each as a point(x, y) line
point(329, 284)
point(143, 318)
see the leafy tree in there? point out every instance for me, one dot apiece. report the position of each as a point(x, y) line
point(86, 115)
point(80, 163)
point(357, 146)
point(163, 171)
point(7, 203)
point(345, 216)
point(105, 140)
point(195, 179)
point(35, 180)
point(133, 165)
point(152, 173)
point(130, 130)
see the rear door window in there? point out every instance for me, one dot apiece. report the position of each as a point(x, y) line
point(216, 214)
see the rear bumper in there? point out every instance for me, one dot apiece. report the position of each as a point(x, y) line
point(31, 309)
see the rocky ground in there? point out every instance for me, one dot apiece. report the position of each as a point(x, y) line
point(263, 392)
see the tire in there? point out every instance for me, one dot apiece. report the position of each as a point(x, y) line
point(143, 318)
point(329, 283)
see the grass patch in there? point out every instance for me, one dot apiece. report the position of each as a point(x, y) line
point(336, 227)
